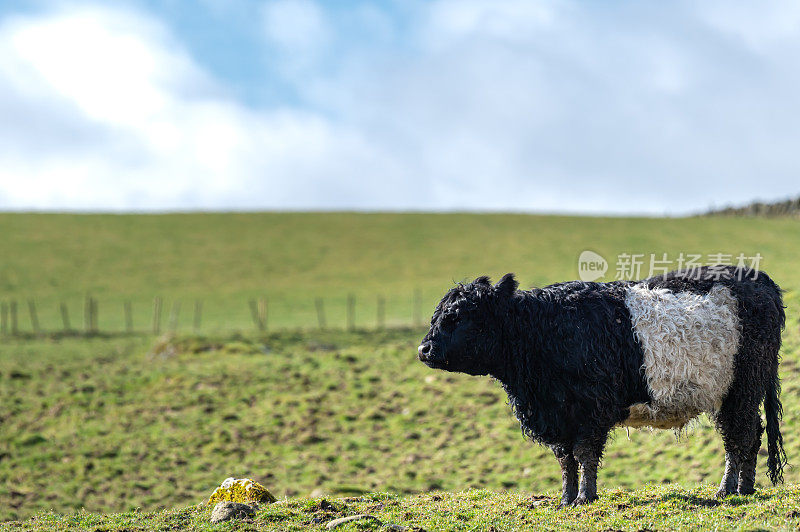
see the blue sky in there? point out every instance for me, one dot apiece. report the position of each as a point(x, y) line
point(522, 105)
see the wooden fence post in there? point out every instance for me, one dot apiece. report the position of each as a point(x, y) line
point(381, 313)
point(320, 313)
point(12, 310)
point(417, 308)
point(128, 309)
point(351, 312)
point(263, 312)
point(34, 316)
point(87, 315)
point(95, 318)
point(65, 316)
point(254, 314)
point(198, 315)
point(173, 315)
point(157, 315)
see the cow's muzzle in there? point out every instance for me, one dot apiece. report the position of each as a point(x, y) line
point(427, 355)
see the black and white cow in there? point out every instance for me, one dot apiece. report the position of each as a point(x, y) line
point(578, 359)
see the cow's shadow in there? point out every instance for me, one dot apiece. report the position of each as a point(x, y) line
point(705, 502)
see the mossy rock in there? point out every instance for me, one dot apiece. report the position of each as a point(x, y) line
point(241, 490)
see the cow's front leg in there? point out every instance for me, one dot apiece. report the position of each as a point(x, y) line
point(588, 456)
point(569, 475)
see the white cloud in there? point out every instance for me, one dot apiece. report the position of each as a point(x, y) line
point(468, 104)
point(115, 78)
point(136, 124)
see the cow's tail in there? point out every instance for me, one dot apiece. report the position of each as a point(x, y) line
point(773, 408)
point(774, 411)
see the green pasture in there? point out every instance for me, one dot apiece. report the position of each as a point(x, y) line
point(116, 424)
point(131, 430)
point(292, 259)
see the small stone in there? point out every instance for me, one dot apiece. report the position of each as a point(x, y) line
point(392, 527)
point(349, 519)
point(325, 506)
point(226, 510)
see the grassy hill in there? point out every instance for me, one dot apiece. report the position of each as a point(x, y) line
point(112, 423)
point(294, 258)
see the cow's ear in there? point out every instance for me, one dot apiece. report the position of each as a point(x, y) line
point(483, 279)
point(507, 285)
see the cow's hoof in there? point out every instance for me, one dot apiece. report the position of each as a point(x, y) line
point(746, 491)
point(722, 493)
point(567, 499)
point(580, 500)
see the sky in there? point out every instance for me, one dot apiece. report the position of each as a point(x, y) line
point(619, 107)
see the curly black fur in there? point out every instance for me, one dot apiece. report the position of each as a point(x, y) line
point(567, 356)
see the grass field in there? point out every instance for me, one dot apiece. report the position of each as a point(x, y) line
point(650, 508)
point(293, 258)
point(114, 423)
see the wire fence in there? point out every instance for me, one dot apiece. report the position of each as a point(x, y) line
point(17, 320)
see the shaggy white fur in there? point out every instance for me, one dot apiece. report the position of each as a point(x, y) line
point(689, 343)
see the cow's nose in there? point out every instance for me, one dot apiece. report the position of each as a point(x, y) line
point(424, 350)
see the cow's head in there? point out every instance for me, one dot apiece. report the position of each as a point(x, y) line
point(465, 327)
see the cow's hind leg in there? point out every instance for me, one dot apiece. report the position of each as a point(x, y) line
point(588, 454)
point(747, 472)
point(569, 475)
point(740, 427)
